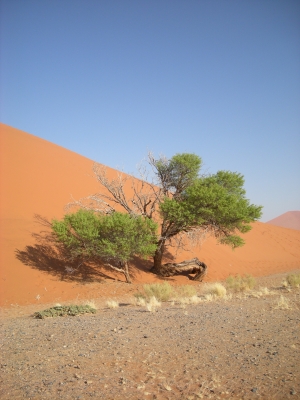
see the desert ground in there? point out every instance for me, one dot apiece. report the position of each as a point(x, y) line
point(245, 347)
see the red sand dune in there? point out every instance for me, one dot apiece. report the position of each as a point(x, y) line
point(290, 219)
point(39, 177)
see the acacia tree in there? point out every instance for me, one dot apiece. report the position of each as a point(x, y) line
point(183, 202)
point(113, 239)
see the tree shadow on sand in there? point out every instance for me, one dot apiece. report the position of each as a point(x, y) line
point(50, 256)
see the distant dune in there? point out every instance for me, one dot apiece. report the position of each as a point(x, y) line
point(290, 219)
point(39, 177)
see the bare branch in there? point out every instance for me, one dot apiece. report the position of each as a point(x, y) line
point(92, 203)
point(115, 268)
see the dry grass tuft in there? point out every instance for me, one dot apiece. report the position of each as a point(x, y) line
point(112, 304)
point(183, 301)
point(185, 291)
point(195, 300)
point(139, 301)
point(283, 303)
point(92, 304)
point(263, 291)
point(161, 291)
point(185, 294)
point(153, 304)
point(228, 296)
point(293, 280)
point(209, 297)
point(215, 289)
point(240, 283)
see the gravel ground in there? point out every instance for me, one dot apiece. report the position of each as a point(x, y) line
point(243, 348)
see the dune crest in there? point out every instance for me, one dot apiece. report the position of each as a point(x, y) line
point(39, 177)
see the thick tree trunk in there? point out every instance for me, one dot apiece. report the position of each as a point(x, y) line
point(193, 266)
point(158, 257)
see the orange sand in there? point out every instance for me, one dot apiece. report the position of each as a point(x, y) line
point(39, 177)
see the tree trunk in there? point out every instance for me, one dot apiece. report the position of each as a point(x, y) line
point(123, 268)
point(158, 255)
point(194, 266)
point(126, 272)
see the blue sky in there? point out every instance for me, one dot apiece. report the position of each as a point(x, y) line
point(114, 79)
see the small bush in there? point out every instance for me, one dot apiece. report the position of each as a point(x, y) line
point(153, 304)
point(216, 289)
point(161, 291)
point(140, 301)
point(63, 311)
point(185, 291)
point(293, 280)
point(112, 304)
point(92, 304)
point(240, 283)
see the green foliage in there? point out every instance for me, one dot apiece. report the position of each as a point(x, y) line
point(123, 236)
point(116, 236)
point(217, 202)
point(63, 311)
point(179, 172)
point(240, 283)
point(161, 291)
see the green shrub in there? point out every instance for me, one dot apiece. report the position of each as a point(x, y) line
point(62, 311)
point(293, 280)
point(240, 283)
point(161, 291)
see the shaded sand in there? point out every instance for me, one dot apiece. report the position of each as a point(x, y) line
point(39, 177)
point(290, 219)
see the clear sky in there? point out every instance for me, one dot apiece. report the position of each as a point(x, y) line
point(114, 79)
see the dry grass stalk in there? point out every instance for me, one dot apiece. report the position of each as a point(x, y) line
point(112, 304)
point(215, 289)
point(161, 291)
point(185, 291)
point(283, 303)
point(240, 283)
point(153, 304)
point(91, 303)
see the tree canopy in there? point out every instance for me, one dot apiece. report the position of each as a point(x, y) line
point(181, 201)
point(113, 238)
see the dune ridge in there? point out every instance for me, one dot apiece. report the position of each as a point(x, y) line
point(290, 220)
point(39, 177)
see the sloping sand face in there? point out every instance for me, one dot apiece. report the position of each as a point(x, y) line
point(290, 219)
point(39, 177)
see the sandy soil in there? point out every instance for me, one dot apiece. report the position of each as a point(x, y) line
point(243, 348)
point(39, 177)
